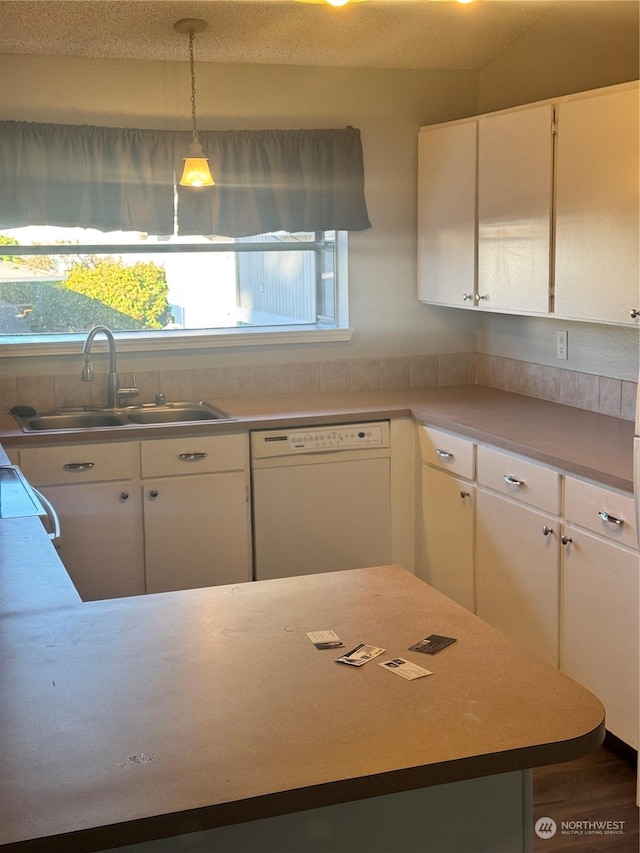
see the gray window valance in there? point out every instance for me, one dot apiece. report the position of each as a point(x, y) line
point(124, 179)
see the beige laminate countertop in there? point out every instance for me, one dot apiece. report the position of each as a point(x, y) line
point(592, 445)
point(152, 716)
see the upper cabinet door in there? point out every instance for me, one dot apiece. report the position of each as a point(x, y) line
point(447, 214)
point(596, 274)
point(515, 186)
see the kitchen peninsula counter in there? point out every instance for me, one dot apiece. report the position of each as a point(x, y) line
point(152, 717)
point(589, 444)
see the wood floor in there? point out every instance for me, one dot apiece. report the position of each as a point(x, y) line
point(599, 787)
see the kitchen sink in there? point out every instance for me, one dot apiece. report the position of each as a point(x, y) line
point(174, 413)
point(169, 413)
point(71, 420)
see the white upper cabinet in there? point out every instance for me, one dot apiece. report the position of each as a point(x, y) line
point(515, 183)
point(502, 227)
point(597, 208)
point(447, 214)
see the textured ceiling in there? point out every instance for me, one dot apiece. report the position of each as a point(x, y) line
point(413, 34)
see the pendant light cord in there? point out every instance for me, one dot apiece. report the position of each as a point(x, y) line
point(193, 87)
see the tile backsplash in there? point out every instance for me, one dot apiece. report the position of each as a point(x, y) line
point(586, 391)
point(602, 394)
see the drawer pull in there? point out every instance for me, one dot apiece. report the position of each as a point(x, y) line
point(78, 466)
point(512, 480)
point(611, 519)
point(444, 454)
point(192, 457)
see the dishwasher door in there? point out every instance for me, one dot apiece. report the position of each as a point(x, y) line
point(322, 511)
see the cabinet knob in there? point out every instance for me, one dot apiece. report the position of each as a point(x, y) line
point(634, 313)
point(546, 530)
point(467, 297)
point(464, 494)
point(566, 540)
point(124, 496)
point(482, 297)
point(153, 493)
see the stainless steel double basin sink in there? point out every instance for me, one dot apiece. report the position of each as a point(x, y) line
point(169, 413)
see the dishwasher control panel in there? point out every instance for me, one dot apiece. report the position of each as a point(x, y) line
point(366, 436)
point(340, 438)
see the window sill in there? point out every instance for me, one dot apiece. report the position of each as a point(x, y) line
point(151, 342)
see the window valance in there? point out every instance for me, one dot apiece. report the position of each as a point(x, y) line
point(124, 179)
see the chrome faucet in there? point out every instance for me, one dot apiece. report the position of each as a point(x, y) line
point(114, 391)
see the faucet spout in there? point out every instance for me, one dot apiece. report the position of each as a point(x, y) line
point(113, 383)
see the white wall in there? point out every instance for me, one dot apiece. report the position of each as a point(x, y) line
point(388, 107)
point(551, 59)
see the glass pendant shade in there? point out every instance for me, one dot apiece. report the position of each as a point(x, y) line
point(196, 171)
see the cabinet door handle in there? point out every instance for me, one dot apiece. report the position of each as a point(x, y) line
point(51, 513)
point(153, 493)
point(566, 540)
point(546, 530)
point(634, 313)
point(467, 297)
point(444, 454)
point(78, 466)
point(124, 496)
point(192, 457)
point(464, 494)
point(512, 480)
point(482, 297)
point(611, 519)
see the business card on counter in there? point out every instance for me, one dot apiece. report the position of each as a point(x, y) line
point(405, 669)
point(325, 639)
point(432, 644)
point(360, 655)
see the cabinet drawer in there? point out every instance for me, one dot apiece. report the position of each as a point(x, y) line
point(448, 452)
point(79, 463)
point(525, 481)
point(194, 455)
point(600, 510)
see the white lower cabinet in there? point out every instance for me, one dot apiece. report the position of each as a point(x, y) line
point(517, 550)
point(549, 559)
point(517, 573)
point(448, 522)
point(196, 531)
point(599, 617)
point(97, 495)
point(102, 543)
point(448, 513)
point(599, 612)
point(149, 516)
point(196, 511)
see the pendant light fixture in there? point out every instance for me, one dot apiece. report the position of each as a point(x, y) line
point(196, 165)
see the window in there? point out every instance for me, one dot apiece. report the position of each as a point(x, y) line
point(58, 282)
point(84, 210)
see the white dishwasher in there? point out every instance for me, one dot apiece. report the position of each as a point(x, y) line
point(321, 499)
